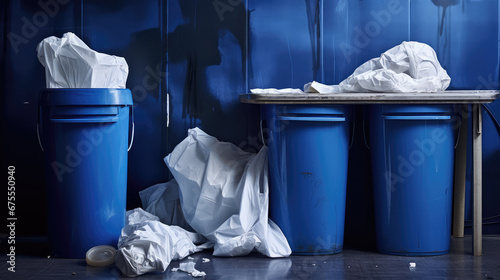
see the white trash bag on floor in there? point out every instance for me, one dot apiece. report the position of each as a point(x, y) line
point(162, 200)
point(224, 195)
point(408, 67)
point(147, 245)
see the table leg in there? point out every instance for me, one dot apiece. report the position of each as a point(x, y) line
point(477, 179)
point(460, 176)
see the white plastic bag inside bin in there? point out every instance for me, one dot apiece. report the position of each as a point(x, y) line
point(408, 67)
point(147, 245)
point(224, 195)
point(70, 63)
point(163, 201)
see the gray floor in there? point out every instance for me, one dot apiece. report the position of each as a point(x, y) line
point(350, 264)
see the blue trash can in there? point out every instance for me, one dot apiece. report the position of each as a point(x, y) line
point(412, 163)
point(85, 136)
point(308, 155)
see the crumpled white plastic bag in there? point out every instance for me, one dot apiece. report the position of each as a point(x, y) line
point(224, 195)
point(70, 63)
point(408, 67)
point(147, 245)
point(163, 201)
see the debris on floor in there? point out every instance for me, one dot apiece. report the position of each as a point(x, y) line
point(189, 268)
point(147, 245)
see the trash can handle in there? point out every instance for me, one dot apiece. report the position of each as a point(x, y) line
point(38, 130)
point(458, 133)
point(353, 120)
point(133, 128)
point(364, 133)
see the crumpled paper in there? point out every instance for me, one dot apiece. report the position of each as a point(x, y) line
point(147, 245)
point(70, 63)
point(224, 195)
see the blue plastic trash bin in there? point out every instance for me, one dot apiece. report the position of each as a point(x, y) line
point(85, 136)
point(412, 163)
point(308, 154)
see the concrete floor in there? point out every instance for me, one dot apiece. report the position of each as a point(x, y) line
point(32, 263)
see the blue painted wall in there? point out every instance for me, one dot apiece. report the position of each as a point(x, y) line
point(192, 59)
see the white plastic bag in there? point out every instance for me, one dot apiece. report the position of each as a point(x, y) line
point(162, 200)
point(70, 63)
point(408, 67)
point(224, 195)
point(147, 245)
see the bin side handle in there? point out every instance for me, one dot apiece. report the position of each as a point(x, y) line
point(38, 130)
point(133, 128)
point(353, 120)
point(364, 132)
point(457, 141)
point(262, 133)
point(38, 135)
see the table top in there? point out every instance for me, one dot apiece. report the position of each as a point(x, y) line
point(443, 97)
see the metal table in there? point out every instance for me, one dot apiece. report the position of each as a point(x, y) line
point(465, 97)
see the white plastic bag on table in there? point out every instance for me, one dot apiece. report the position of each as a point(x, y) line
point(224, 195)
point(70, 63)
point(408, 67)
point(162, 200)
point(147, 245)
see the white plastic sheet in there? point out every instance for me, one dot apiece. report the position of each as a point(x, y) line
point(277, 91)
point(162, 200)
point(224, 195)
point(70, 63)
point(147, 245)
point(408, 67)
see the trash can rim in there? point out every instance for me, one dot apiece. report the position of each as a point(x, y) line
point(85, 96)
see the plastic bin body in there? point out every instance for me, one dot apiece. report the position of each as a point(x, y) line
point(84, 133)
point(412, 159)
point(308, 155)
